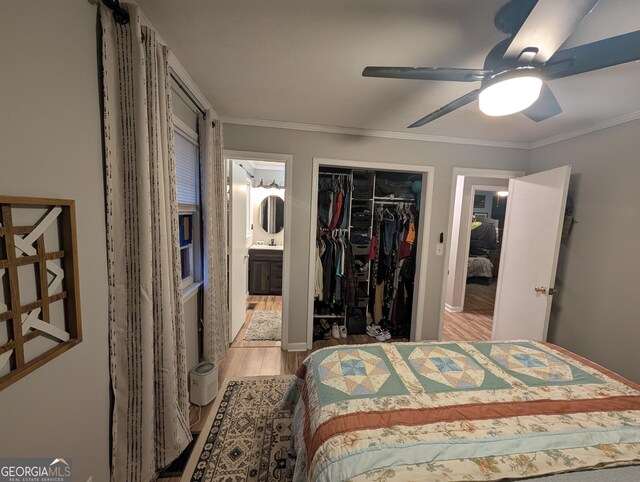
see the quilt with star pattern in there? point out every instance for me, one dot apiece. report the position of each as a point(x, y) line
point(453, 411)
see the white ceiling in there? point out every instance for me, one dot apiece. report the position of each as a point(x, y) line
point(301, 61)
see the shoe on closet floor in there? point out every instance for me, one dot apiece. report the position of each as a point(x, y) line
point(325, 329)
point(335, 331)
point(343, 331)
point(376, 332)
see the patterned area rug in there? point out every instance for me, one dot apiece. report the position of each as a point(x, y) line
point(250, 438)
point(265, 325)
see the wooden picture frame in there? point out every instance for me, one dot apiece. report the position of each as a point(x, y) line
point(31, 337)
point(479, 201)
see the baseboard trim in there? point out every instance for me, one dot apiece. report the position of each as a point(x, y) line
point(453, 309)
point(296, 347)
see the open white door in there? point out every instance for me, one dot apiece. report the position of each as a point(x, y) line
point(238, 249)
point(530, 247)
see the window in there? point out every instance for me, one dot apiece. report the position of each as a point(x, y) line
point(186, 248)
point(187, 154)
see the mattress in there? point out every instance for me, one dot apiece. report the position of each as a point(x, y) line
point(479, 268)
point(460, 411)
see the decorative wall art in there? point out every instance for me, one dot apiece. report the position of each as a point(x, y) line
point(39, 288)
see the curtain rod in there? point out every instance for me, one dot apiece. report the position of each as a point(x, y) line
point(245, 170)
point(120, 14)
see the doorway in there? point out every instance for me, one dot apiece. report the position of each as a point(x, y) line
point(351, 201)
point(259, 213)
point(533, 228)
point(477, 223)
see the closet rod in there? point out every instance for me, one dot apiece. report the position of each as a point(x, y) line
point(394, 201)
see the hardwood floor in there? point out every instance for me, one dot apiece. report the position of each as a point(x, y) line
point(476, 321)
point(254, 303)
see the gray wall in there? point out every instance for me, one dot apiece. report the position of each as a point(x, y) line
point(304, 146)
point(50, 146)
point(191, 335)
point(596, 312)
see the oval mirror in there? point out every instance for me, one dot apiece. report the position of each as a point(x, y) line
point(272, 214)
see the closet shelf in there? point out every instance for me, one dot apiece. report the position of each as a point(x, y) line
point(394, 199)
point(328, 316)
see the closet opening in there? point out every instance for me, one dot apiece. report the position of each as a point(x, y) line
point(257, 229)
point(369, 252)
point(477, 226)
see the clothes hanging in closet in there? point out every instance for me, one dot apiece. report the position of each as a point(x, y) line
point(393, 267)
point(334, 197)
point(336, 276)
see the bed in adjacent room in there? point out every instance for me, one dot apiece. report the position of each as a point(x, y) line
point(461, 411)
point(479, 267)
point(482, 245)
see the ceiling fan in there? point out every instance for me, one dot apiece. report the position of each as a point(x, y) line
point(516, 70)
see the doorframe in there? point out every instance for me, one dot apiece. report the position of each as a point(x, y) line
point(466, 172)
point(422, 258)
point(287, 159)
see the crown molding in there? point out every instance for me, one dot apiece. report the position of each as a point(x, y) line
point(587, 130)
point(354, 131)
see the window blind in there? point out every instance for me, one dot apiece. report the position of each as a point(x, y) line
point(186, 152)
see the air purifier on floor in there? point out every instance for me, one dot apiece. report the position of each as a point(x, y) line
point(203, 383)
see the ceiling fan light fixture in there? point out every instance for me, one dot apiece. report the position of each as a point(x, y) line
point(510, 95)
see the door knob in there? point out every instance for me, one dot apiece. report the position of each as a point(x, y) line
point(541, 289)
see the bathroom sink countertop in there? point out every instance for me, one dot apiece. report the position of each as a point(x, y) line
point(266, 246)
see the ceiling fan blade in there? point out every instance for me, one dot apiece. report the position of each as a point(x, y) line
point(450, 107)
point(427, 73)
point(545, 107)
point(547, 27)
point(594, 56)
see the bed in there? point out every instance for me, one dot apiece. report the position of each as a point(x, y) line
point(460, 411)
point(482, 245)
point(479, 267)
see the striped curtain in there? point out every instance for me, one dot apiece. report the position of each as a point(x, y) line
point(214, 202)
point(147, 342)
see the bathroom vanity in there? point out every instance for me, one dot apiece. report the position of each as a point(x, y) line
point(265, 270)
